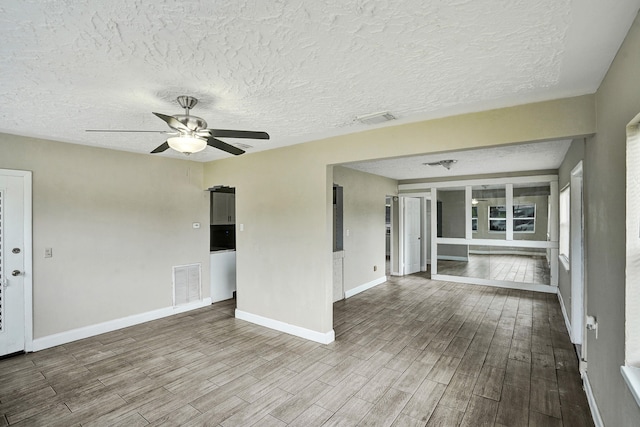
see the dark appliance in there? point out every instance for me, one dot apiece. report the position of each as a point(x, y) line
point(223, 237)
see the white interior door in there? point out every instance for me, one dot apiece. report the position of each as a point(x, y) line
point(411, 235)
point(13, 253)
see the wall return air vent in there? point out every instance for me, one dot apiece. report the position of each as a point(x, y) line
point(186, 284)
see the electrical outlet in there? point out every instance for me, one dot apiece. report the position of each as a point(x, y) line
point(48, 252)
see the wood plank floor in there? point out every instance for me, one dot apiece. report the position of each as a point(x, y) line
point(510, 268)
point(410, 352)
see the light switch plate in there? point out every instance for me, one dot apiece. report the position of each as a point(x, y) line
point(48, 252)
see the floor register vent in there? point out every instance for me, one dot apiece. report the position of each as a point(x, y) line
point(187, 284)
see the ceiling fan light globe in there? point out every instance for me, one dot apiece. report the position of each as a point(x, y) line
point(187, 144)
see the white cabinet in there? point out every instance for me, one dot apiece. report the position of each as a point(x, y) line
point(223, 275)
point(223, 208)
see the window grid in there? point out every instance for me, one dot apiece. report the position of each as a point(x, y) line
point(524, 218)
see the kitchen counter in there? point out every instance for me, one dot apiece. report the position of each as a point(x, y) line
point(219, 250)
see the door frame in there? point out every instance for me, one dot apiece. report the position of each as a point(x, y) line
point(28, 252)
point(576, 242)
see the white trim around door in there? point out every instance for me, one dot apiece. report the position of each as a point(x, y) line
point(27, 273)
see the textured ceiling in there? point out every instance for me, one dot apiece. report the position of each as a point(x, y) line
point(298, 69)
point(502, 159)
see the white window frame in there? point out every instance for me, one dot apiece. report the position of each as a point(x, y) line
point(513, 219)
point(535, 214)
point(474, 219)
point(490, 218)
point(631, 368)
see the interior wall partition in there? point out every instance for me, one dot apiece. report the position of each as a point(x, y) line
point(497, 232)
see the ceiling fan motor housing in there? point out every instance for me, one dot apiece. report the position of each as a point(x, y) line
point(192, 122)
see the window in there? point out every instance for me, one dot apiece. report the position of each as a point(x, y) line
point(565, 226)
point(524, 218)
point(497, 218)
point(474, 218)
point(631, 368)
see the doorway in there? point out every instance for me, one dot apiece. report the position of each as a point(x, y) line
point(338, 242)
point(15, 262)
point(388, 235)
point(412, 235)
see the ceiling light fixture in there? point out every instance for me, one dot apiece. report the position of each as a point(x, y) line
point(444, 163)
point(187, 144)
point(376, 118)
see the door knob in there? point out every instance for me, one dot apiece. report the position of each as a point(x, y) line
point(16, 273)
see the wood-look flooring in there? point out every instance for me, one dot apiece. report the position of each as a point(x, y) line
point(409, 352)
point(508, 268)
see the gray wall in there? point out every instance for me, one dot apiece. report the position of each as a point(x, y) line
point(574, 155)
point(617, 102)
point(364, 217)
point(453, 223)
point(117, 222)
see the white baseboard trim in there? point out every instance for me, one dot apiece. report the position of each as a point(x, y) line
point(362, 288)
point(319, 337)
point(474, 252)
point(496, 283)
point(453, 258)
point(595, 412)
point(112, 325)
point(567, 323)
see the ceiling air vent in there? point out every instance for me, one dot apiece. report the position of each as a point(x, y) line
point(376, 118)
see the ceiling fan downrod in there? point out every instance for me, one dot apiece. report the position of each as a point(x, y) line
point(187, 102)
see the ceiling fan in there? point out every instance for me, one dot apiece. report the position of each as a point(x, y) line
point(189, 134)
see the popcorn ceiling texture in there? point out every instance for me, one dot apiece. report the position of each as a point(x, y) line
point(296, 69)
point(510, 158)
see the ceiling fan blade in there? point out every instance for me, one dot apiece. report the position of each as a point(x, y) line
point(122, 130)
point(173, 122)
point(216, 143)
point(227, 133)
point(163, 147)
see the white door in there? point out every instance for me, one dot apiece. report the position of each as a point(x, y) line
point(13, 208)
point(411, 235)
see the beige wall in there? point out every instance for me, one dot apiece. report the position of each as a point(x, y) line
point(284, 255)
point(283, 197)
point(364, 217)
point(117, 222)
point(618, 101)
